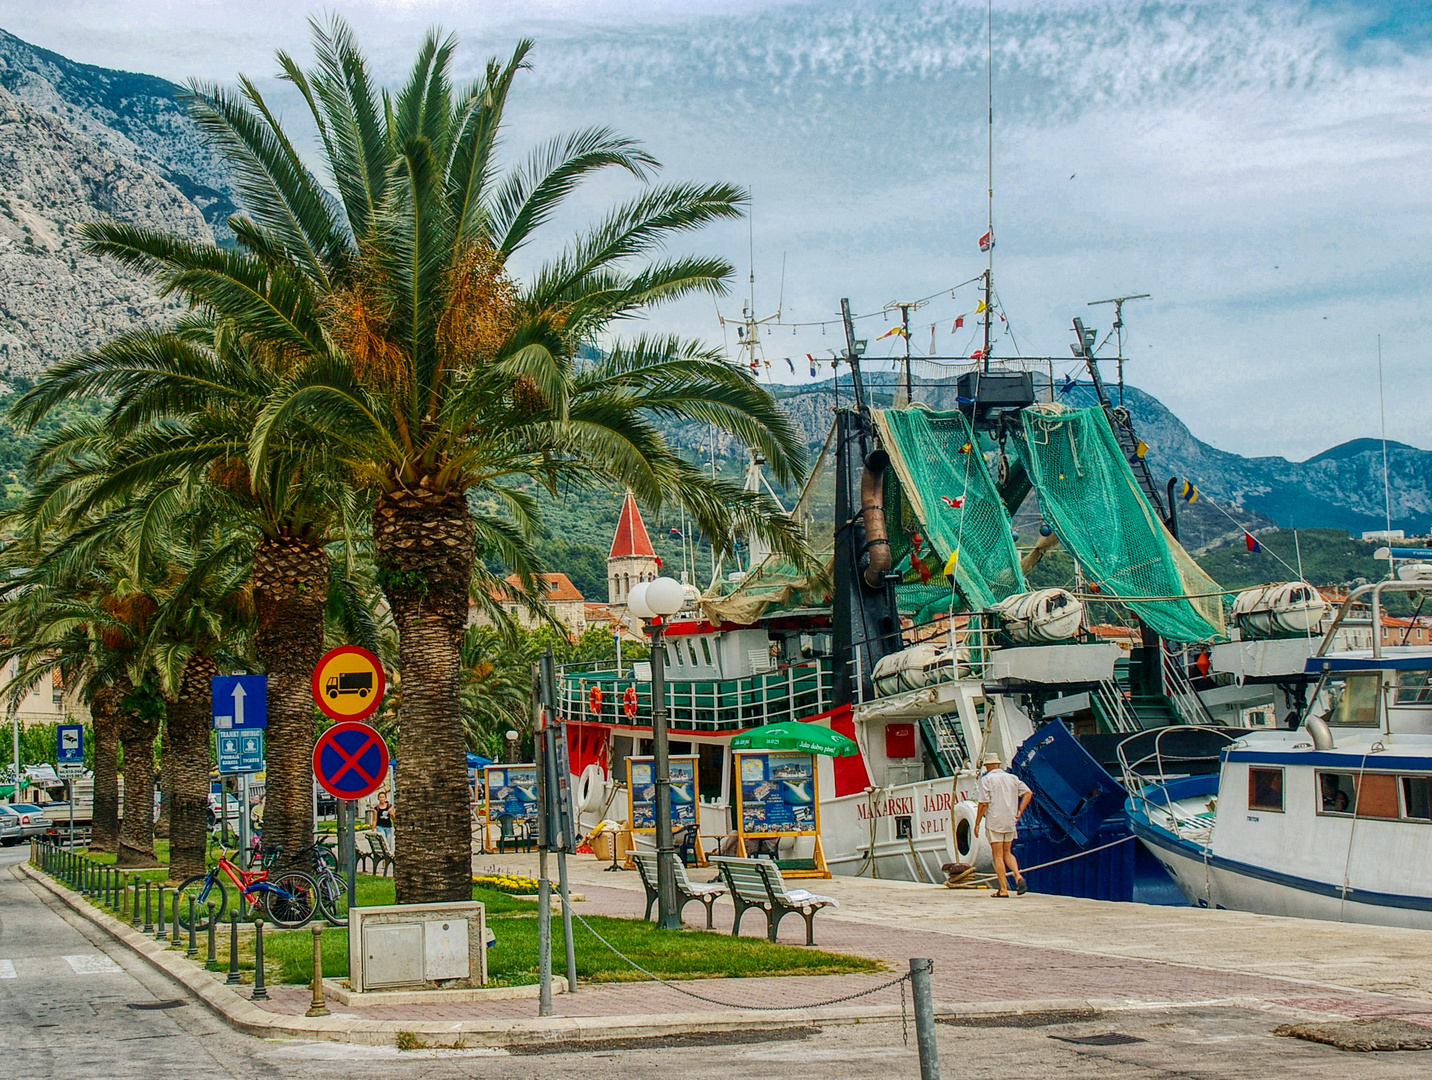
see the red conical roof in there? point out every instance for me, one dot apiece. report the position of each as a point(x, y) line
point(631, 538)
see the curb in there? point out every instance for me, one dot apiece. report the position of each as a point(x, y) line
point(242, 1015)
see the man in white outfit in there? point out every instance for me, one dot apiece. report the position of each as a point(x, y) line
point(1002, 799)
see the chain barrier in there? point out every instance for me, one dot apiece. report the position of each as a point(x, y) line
point(757, 1008)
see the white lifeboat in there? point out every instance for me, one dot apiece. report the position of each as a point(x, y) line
point(1041, 617)
point(1285, 607)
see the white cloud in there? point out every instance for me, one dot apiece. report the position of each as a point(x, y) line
point(1259, 167)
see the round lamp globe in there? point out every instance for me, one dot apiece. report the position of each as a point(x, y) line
point(636, 601)
point(665, 596)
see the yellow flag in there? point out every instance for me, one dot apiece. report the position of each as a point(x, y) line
point(950, 565)
point(979, 307)
point(1141, 448)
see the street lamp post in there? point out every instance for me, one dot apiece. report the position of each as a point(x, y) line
point(652, 602)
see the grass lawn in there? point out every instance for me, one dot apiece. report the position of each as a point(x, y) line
point(687, 954)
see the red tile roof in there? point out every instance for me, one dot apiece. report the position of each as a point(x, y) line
point(559, 587)
point(631, 538)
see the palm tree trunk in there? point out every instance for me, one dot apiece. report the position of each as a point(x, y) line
point(290, 593)
point(136, 830)
point(166, 783)
point(104, 714)
point(423, 544)
point(186, 770)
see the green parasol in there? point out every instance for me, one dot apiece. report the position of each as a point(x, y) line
point(793, 735)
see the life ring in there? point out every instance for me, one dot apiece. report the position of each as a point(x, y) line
point(590, 789)
point(961, 844)
point(594, 699)
point(629, 702)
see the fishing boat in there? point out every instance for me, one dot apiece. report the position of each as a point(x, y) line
point(1330, 821)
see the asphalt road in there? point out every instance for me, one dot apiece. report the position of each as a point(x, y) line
point(75, 1006)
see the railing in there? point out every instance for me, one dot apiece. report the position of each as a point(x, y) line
point(1177, 688)
point(1115, 707)
point(1152, 770)
point(789, 692)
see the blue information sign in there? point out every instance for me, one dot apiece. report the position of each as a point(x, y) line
point(240, 751)
point(70, 744)
point(641, 789)
point(239, 702)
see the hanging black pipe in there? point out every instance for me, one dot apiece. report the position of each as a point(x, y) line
point(872, 513)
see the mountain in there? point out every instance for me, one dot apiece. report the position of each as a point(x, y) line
point(81, 144)
point(138, 117)
point(1340, 488)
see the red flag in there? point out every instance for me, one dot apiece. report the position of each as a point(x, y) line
point(1251, 543)
point(987, 241)
point(959, 322)
point(978, 354)
point(957, 503)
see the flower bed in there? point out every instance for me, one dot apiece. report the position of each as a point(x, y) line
point(509, 883)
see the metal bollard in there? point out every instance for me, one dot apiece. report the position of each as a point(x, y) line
point(148, 906)
point(317, 1007)
point(174, 941)
point(136, 918)
point(212, 960)
point(259, 994)
point(193, 949)
point(233, 979)
point(159, 934)
point(924, 1018)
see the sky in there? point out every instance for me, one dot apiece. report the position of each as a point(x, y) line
point(1259, 168)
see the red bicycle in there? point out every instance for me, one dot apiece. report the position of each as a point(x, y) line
point(288, 899)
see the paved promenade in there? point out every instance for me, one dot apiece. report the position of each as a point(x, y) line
point(1026, 953)
point(1026, 949)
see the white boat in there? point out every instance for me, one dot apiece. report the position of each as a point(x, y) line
point(1329, 821)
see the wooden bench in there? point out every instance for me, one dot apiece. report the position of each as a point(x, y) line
point(686, 889)
point(378, 852)
point(757, 883)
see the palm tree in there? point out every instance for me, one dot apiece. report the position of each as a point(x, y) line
point(400, 343)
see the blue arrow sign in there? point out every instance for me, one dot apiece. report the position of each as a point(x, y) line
point(239, 702)
point(240, 751)
point(70, 744)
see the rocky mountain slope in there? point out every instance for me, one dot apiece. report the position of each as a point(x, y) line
point(1341, 488)
point(77, 145)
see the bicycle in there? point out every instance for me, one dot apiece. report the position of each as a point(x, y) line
point(288, 899)
point(332, 887)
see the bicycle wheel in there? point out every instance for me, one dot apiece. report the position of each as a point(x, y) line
point(293, 900)
point(202, 889)
point(333, 898)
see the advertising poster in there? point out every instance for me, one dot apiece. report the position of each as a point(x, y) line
point(641, 792)
point(511, 789)
point(777, 792)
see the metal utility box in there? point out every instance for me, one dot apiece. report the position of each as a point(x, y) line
point(418, 946)
point(996, 390)
point(392, 955)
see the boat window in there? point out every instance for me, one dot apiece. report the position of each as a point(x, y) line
point(706, 651)
point(1265, 789)
point(1417, 797)
point(1414, 688)
point(1377, 796)
point(691, 647)
point(1348, 700)
point(673, 655)
point(1337, 793)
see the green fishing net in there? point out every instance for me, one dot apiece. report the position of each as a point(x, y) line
point(1090, 498)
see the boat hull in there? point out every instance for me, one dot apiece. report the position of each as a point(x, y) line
point(1210, 881)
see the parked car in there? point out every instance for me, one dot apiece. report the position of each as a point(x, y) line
point(232, 810)
point(33, 821)
point(11, 831)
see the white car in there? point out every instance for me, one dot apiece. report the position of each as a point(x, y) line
point(32, 819)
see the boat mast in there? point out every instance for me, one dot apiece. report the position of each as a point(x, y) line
point(989, 162)
point(1118, 302)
